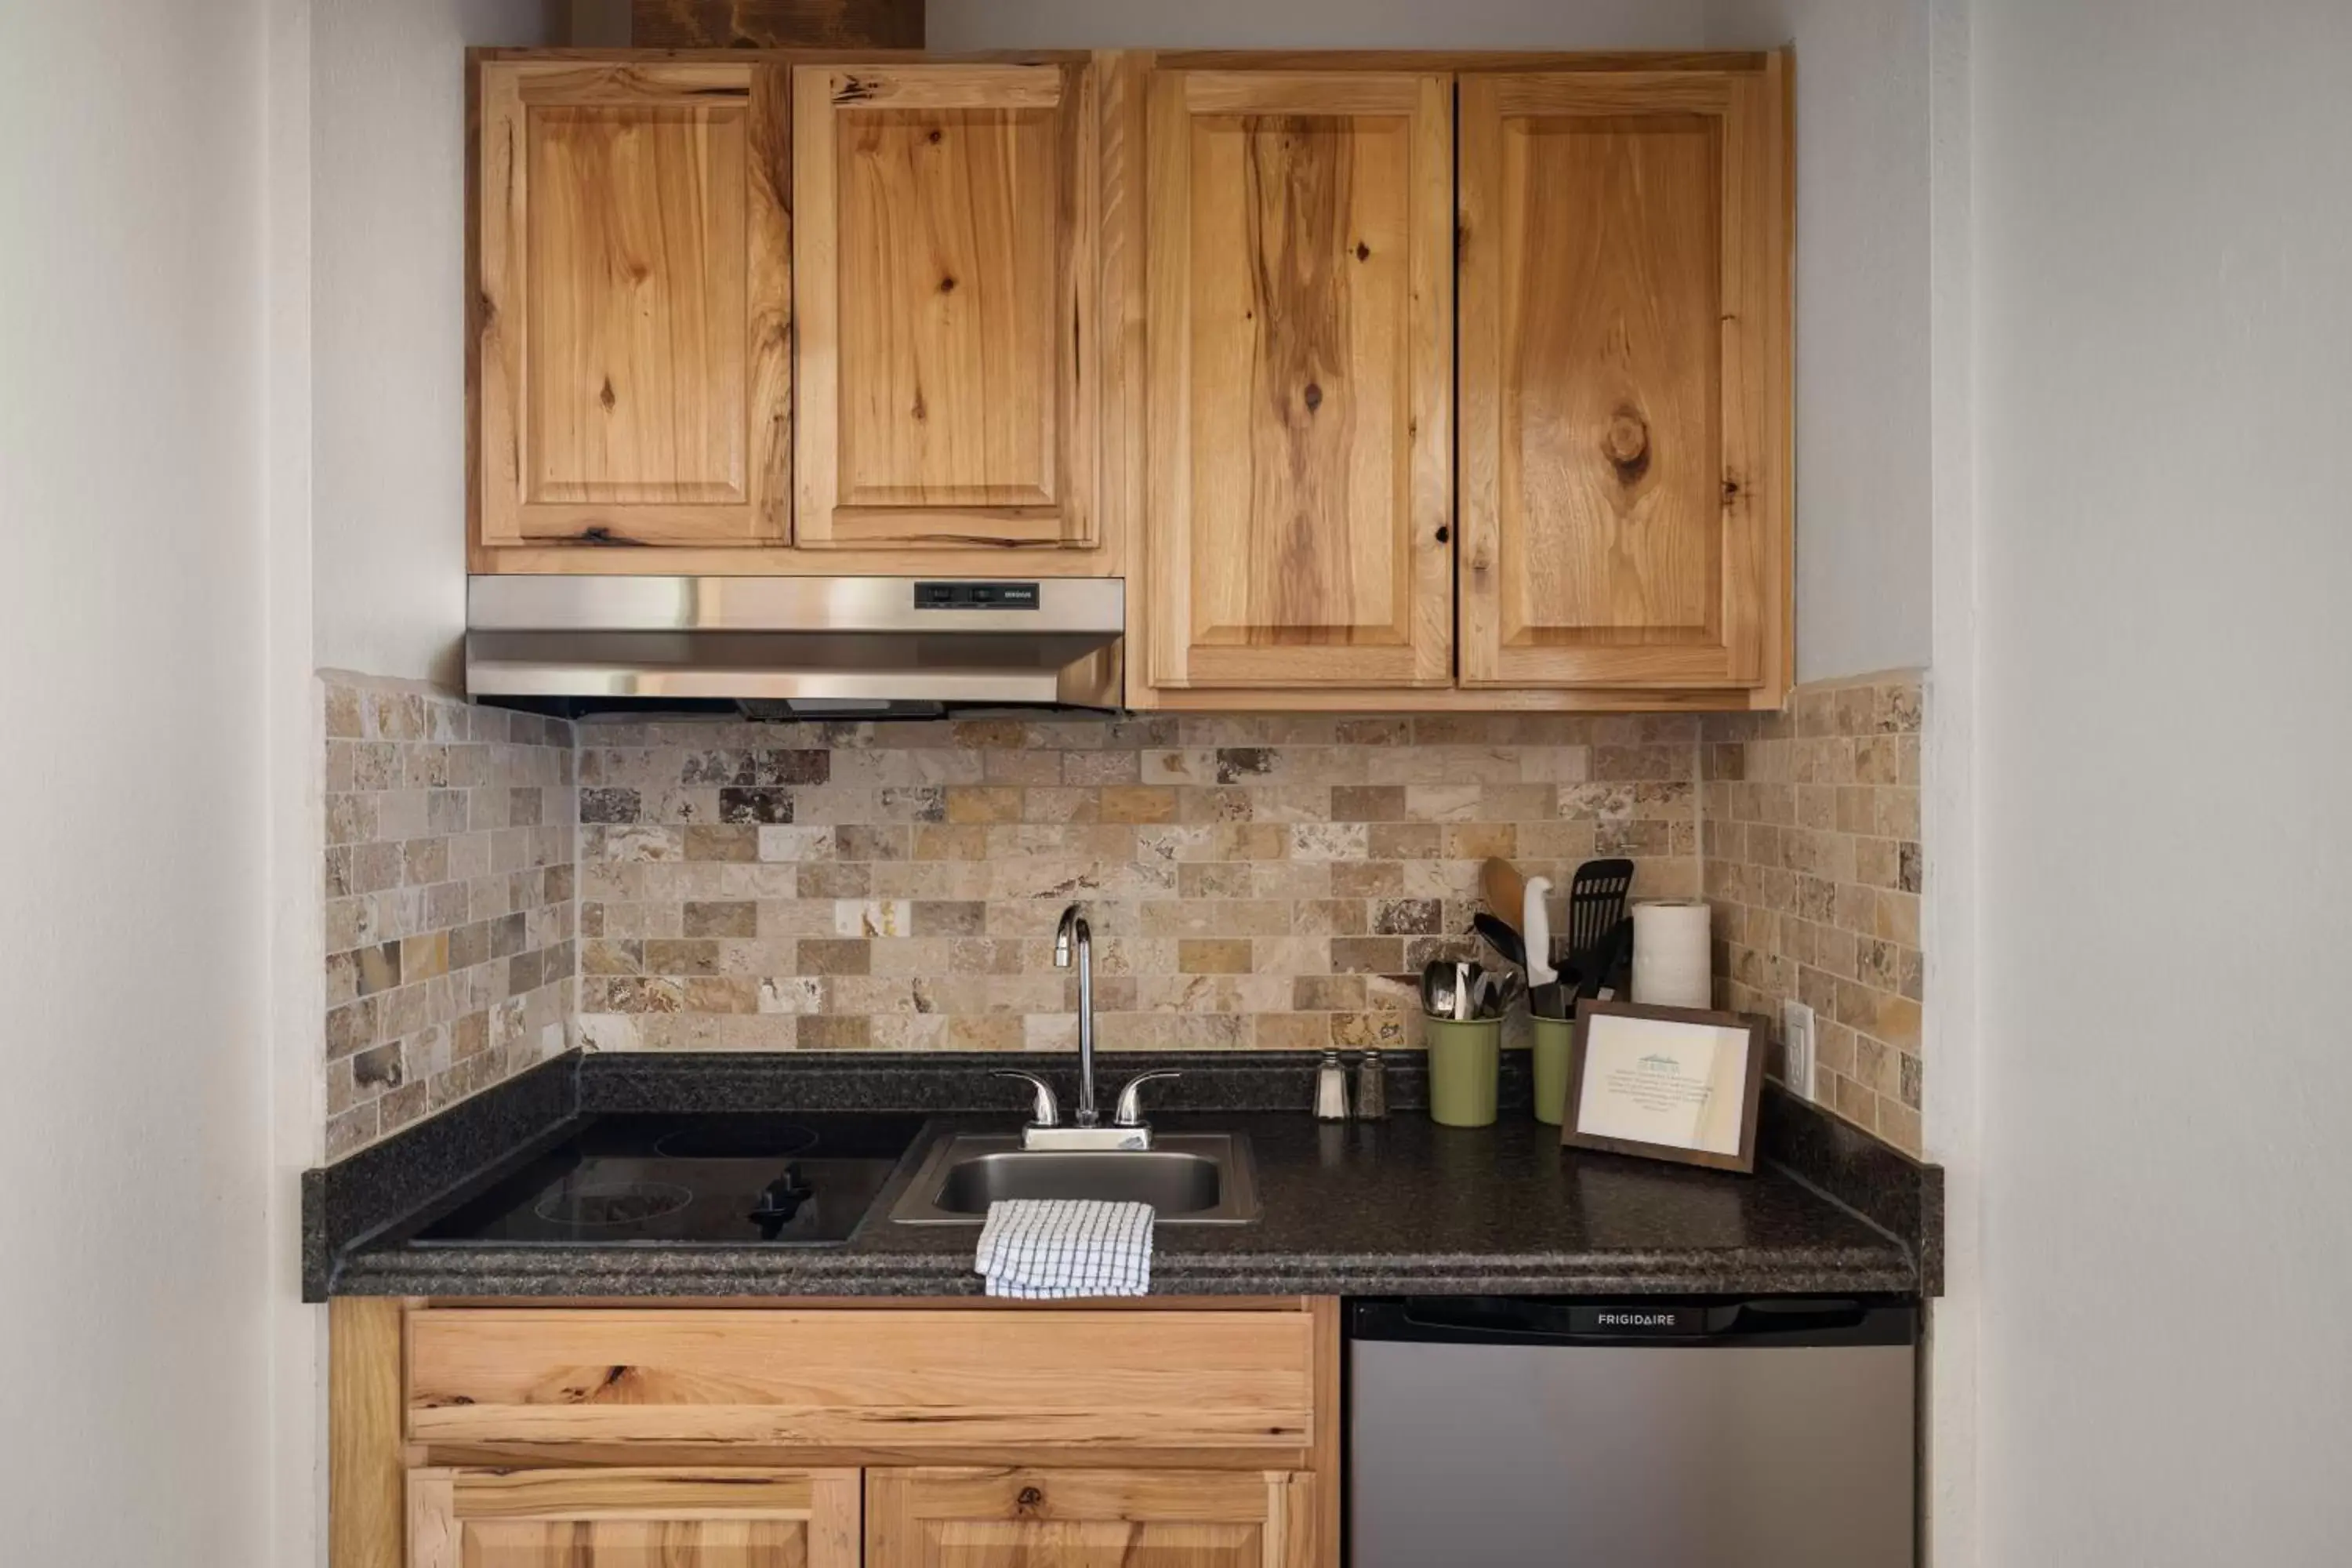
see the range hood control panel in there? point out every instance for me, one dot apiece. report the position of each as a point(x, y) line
point(976, 596)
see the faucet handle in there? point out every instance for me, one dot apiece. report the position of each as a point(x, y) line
point(1129, 1112)
point(1046, 1111)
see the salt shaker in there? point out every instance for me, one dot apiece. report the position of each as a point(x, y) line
point(1331, 1089)
point(1371, 1089)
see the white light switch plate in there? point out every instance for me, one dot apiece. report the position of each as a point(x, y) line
point(1797, 1034)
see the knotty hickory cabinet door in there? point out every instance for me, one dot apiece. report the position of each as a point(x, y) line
point(941, 1518)
point(624, 1518)
point(946, 291)
point(632, 317)
point(1623, 284)
point(1298, 314)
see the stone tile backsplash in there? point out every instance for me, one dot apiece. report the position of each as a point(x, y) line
point(498, 885)
point(1250, 881)
point(1814, 866)
point(450, 900)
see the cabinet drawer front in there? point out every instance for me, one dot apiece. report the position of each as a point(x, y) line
point(847, 1380)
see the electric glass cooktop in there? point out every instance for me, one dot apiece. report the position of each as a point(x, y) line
point(729, 1179)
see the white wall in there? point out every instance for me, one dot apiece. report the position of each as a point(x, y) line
point(1952, 918)
point(2165, 459)
point(388, 320)
point(1862, 419)
point(1327, 24)
point(134, 1135)
point(293, 763)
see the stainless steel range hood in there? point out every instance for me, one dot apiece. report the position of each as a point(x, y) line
point(811, 644)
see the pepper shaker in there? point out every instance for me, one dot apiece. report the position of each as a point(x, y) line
point(1372, 1088)
point(1331, 1089)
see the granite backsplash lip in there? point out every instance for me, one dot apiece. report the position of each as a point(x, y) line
point(1402, 1206)
point(1891, 1189)
point(421, 1169)
point(952, 1081)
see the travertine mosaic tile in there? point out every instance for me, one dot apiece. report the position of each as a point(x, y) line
point(1814, 867)
point(450, 900)
point(1267, 882)
point(1253, 882)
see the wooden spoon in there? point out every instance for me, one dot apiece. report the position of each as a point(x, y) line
point(1506, 889)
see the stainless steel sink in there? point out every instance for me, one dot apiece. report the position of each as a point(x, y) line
point(1187, 1178)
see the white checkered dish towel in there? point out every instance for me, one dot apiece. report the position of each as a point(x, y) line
point(1039, 1249)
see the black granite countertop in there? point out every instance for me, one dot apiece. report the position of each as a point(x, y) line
point(1400, 1206)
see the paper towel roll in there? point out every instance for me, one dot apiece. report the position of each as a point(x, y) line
point(1670, 954)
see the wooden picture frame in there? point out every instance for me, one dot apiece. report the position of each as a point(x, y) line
point(1592, 1025)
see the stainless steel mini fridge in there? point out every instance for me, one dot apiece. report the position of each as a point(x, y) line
point(1496, 1433)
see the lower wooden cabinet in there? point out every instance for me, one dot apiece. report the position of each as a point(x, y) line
point(938, 1518)
point(633, 1519)
point(949, 1435)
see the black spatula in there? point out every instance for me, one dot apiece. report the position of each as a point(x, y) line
point(1500, 935)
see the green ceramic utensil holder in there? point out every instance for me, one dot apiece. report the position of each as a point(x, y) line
point(1553, 1038)
point(1465, 1062)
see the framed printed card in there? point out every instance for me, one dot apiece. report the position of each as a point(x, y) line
point(1667, 1083)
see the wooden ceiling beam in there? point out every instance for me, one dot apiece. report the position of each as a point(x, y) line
point(776, 24)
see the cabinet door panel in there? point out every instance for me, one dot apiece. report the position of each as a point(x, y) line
point(1623, 291)
point(1089, 1519)
point(946, 292)
point(1299, 296)
point(632, 324)
point(633, 1519)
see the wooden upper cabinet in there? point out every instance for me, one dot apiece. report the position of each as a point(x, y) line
point(946, 299)
point(629, 1518)
point(1089, 1519)
point(1297, 311)
point(1375, 379)
point(1624, 276)
point(632, 334)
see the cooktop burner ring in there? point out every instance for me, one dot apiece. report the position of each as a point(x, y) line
point(613, 1205)
point(767, 1141)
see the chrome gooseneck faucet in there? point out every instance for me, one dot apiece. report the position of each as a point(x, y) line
point(1073, 941)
